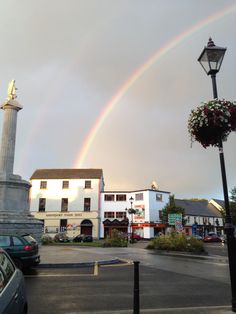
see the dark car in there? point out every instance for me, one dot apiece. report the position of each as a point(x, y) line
point(12, 287)
point(212, 237)
point(61, 237)
point(83, 238)
point(22, 249)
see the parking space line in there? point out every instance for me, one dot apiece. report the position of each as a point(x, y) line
point(59, 275)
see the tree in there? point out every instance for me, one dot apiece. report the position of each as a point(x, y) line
point(233, 204)
point(171, 208)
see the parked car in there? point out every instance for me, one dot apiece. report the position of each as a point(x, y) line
point(61, 237)
point(22, 249)
point(83, 238)
point(212, 237)
point(223, 238)
point(12, 287)
point(128, 236)
point(196, 236)
point(135, 236)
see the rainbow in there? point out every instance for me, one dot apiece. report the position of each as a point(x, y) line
point(138, 73)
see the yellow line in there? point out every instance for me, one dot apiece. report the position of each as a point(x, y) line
point(59, 275)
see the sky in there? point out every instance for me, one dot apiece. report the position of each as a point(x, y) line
point(110, 84)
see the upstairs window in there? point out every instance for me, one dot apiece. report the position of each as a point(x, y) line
point(121, 215)
point(65, 184)
point(42, 204)
point(87, 184)
point(158, 197)
point(43, 185)
point(87, 204)
point(109, 197)
point(139, 197)
point(120, 197)
point(64, 204)
point(109, 214)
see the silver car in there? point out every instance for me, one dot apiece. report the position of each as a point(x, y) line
point(12, 287)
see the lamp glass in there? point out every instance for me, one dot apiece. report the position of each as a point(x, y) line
point(211, 59)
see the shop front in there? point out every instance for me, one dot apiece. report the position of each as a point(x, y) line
point(120, 225)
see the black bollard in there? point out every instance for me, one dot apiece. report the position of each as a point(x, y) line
point(136, 288)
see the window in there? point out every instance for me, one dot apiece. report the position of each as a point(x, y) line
point(42, 204)
point(87, 184)
point(64, 204)
point(65, 184)
point(121, 215)
point(2, 280)
point(160, 214)
point(43, 185)
point(63, 225)
point(120, 197)
point(87, 203)
point(158, 197)
point(109, 214)
point(7, 270)
point(139, 197)
point(109, 197)
point(17, 241)
point(5, 240)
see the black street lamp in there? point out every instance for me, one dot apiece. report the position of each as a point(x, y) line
point(211, 59)
point(131, 211)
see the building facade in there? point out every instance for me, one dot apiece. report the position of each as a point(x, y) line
point(201, 217)
point(67, 200)
point(146, 221)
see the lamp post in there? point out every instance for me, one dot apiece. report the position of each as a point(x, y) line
point(211, 59)
point(131, 211)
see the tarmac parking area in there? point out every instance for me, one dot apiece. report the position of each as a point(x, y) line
point(79, 290)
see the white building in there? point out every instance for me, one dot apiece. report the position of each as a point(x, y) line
point(201, 216)
point(146, 221)
point(67, 200)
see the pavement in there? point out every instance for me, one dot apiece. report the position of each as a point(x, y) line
point(67, 255)
point(79, 256)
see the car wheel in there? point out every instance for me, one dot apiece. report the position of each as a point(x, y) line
point(18, 263)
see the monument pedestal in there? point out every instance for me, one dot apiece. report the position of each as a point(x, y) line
point(15, 217)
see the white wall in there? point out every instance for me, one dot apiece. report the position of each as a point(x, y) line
point(54, 193)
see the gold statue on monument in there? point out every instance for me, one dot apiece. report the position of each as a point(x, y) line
point(11, 91)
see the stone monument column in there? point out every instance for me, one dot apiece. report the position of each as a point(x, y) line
point(7, 152)
point(15, 216)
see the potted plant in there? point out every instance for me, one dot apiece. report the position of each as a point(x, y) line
point(211, 121)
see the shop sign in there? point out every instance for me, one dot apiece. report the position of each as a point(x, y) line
point(64, 215)
point(139, 215)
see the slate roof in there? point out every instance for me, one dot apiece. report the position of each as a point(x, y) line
point(198, 208)
point(67, 174)
point(219, 202)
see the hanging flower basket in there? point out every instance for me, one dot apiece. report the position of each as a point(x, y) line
point(211, 121)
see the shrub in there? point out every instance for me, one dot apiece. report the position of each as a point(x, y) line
point(115, 240)
point(46, 239)
point(176, 242)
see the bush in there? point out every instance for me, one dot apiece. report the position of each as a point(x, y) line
point(46, 239)
point(176, 242)
point(115, 240)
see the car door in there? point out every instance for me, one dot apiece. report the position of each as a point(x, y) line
point(10, 292)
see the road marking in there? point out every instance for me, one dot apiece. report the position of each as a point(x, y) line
point(59, 275)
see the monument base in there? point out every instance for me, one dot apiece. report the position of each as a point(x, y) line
point(10, 223)
point(15, 216)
